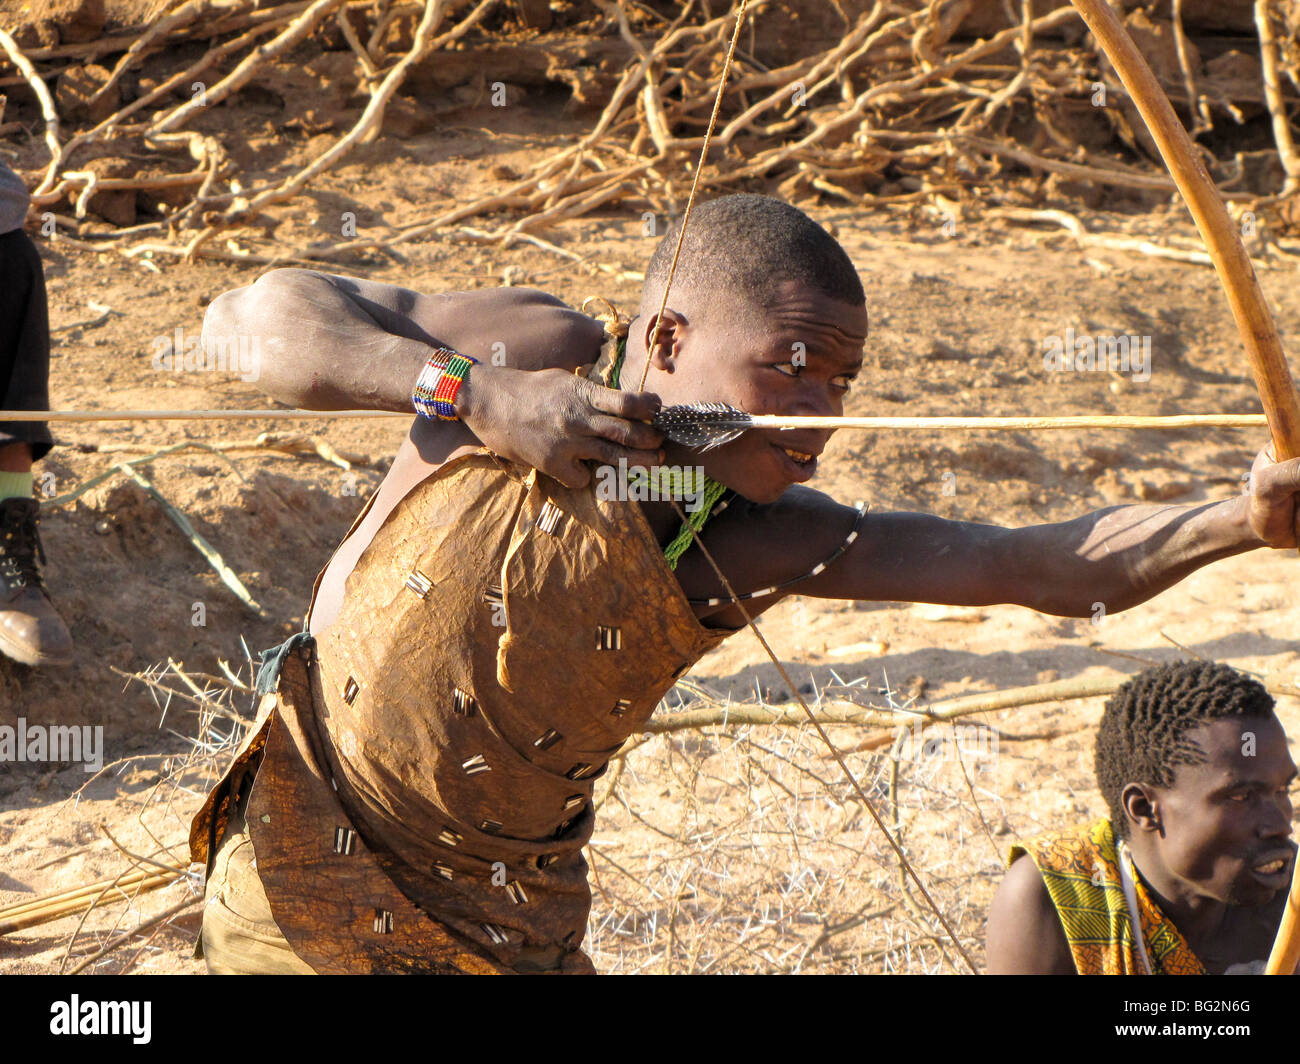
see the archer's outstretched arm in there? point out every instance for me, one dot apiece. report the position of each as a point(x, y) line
point(1119, 556)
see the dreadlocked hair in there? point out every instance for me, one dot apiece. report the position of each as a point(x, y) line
point(1143, 737)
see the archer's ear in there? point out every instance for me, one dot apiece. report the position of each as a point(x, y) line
point(667, 343)
point(1141, 806)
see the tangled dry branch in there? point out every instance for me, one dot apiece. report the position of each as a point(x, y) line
point(904, 106)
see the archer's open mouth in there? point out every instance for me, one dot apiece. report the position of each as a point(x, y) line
point(799, 465)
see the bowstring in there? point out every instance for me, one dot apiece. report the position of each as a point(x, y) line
point(835, 753)
point(695, 184)
point(654, 337)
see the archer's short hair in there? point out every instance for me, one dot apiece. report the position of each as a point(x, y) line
point(746, 245)
point(1143, 733)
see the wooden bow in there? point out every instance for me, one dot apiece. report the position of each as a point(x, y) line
point(1254, 322)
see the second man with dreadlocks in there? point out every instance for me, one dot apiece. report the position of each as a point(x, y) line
point(1187, 873)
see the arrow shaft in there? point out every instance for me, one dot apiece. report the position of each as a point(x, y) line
point(1015, 424)
point(191, 415)
point(990, 424)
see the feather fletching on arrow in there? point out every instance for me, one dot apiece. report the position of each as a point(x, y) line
point(702, 425)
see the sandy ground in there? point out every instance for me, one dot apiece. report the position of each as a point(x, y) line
point(958, 320)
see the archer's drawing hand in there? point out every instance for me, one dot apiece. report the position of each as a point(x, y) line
point(1274, 488)
point(555, 421)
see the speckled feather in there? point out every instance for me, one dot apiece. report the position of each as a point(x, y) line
point(702, 425)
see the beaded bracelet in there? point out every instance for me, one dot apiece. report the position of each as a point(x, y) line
point(434, 395)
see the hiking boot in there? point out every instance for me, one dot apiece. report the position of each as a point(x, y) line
point(31, 630)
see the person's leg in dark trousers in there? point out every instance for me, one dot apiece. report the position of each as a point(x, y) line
point(31, 630)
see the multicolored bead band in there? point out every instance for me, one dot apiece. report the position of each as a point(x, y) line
point(434, 395)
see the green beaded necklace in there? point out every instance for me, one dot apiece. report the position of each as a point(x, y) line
point(679, 484)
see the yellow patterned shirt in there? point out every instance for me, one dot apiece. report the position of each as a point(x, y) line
point(1080, 868)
